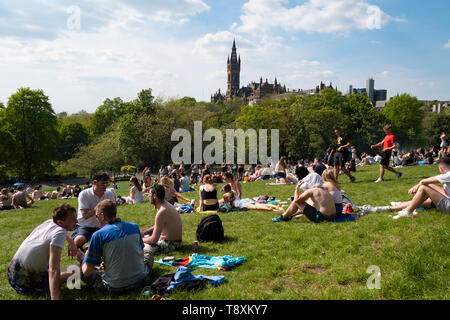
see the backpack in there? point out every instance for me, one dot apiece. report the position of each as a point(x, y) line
point(210, 228)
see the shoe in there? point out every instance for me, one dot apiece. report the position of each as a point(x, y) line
point(402, 214)
point(394, 204)
point(399, 174)
point(280, 218)
point(415, 213)
point(378, 180)
point(352, 179)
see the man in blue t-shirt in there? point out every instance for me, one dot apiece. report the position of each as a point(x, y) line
point(125, 266)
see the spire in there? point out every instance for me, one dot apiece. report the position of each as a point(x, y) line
point(234, 43)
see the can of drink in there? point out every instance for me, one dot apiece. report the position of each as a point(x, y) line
point(195, 247)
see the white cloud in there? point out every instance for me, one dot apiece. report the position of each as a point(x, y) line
point(385, 74)
point(447, 45)
point(324, 16)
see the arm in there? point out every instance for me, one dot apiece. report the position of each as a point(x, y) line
point(159, 223)
point(72, 248)
point(201, 198)
point(423, 182)
point(239, 190)
point(87, 213)
point(178, 195)
point(348, 145)
point(303, 197)
point(87, 269)
point(377, 145)
point(54, 272)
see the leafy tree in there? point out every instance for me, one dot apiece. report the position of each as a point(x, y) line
point(362, 121)
point(433, 126)
point(405, 114)
point(73, 135)
point(102, 154)
point(105, 115)
point(32, 124)
point(187, 101)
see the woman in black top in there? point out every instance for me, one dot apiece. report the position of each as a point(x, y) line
point(208, 195)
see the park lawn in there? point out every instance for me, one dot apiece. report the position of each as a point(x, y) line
point(294, 260)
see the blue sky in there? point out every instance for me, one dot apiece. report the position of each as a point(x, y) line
point(81, 52)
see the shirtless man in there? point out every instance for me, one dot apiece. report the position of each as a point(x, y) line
point(316, 203)
point(235, 185)
point(55, 194)
point(21, 199)
point(165, 235)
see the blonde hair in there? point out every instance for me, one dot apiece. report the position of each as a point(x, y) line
point(166, 182)
point(328, 176)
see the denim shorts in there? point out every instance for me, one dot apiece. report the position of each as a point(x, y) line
point(444, 204)
point(87, 232)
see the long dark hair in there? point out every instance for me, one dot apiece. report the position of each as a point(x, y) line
point(135, 182)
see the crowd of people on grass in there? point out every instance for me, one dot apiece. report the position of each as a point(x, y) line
point(115, 256)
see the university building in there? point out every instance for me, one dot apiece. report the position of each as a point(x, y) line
point(252, 92)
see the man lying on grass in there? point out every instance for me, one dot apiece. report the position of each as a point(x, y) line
point(35, 268)
point(165, 235)
point(125, 265)
point(426, 194)
point(316, 203)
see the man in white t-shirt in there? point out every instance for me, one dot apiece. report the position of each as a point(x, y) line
point(87, 200)
point(427, 194)
point(35, 268)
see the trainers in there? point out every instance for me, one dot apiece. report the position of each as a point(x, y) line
point(399, 174)
point(352, 179)
point(394, 204)
point(280, 218)
point(378, 180)
point(401, 214)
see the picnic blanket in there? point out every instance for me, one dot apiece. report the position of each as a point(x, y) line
point(225, 263)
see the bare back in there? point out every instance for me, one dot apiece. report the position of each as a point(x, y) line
point(320, 199)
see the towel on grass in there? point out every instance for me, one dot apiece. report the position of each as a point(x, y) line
point(226, 262)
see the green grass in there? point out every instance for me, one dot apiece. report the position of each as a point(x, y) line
point(294, 260)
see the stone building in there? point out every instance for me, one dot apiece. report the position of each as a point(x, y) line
point(253, 91)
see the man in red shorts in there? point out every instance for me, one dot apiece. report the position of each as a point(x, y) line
point(388, 144)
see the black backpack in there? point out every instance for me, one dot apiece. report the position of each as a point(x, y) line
point(210, 228)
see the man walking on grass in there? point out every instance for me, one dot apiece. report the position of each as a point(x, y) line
point(388, 144)
point(342, 155)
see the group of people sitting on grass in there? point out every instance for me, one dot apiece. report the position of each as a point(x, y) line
point(119, 257)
